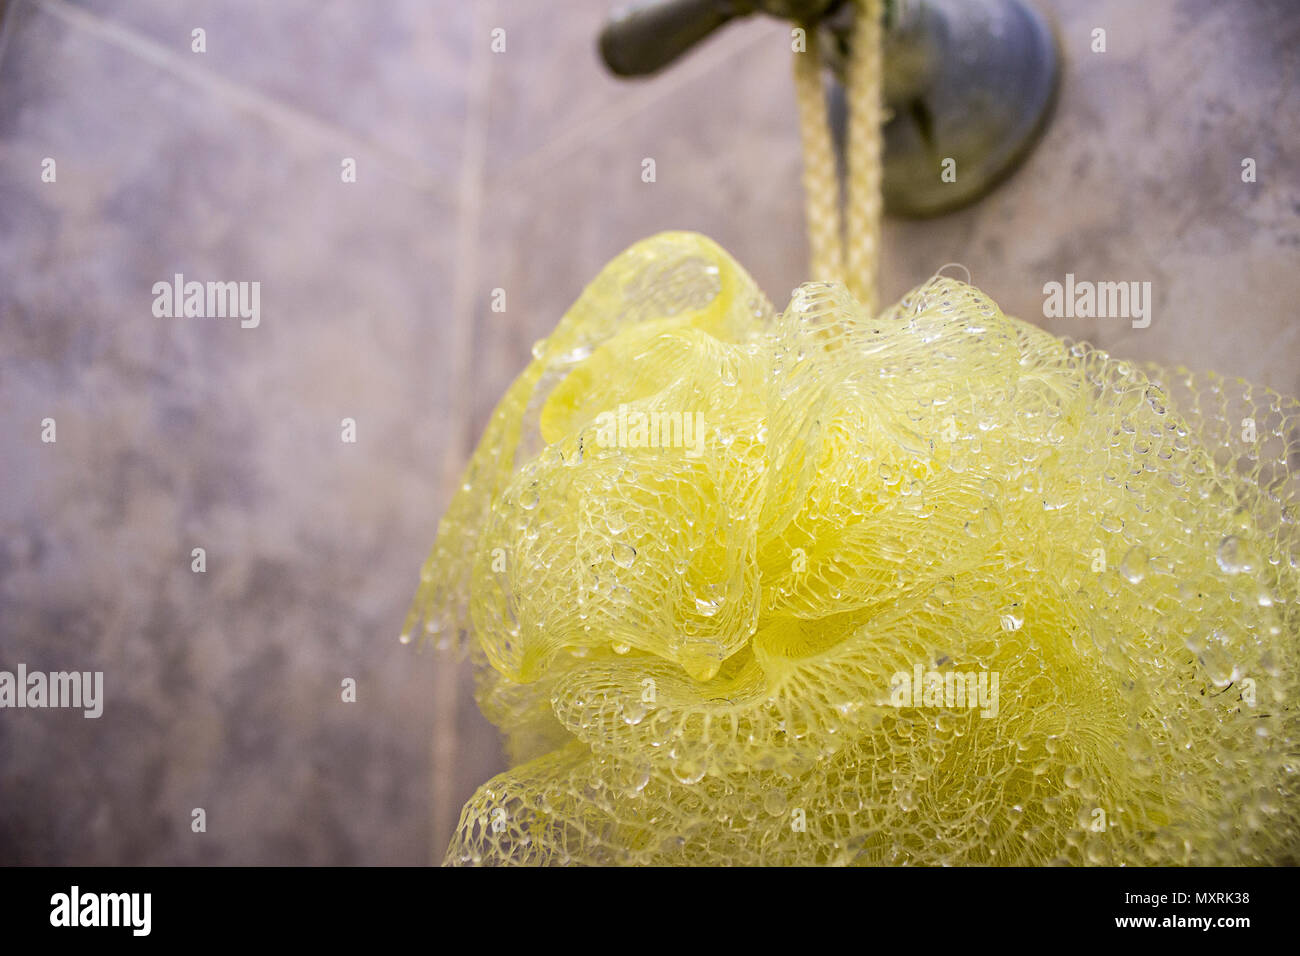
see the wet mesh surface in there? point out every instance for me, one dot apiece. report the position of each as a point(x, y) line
point(692, 641)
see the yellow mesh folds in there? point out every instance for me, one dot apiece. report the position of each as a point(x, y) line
point(933, 587)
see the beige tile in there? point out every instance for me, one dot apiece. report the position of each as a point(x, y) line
point(223, 689)
point(391, 74)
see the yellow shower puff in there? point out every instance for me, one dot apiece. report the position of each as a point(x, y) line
point(928, 587)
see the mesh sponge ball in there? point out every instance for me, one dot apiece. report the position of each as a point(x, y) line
point(928, 587)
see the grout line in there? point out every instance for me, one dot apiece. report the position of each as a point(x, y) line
point(459, 349)
point(407, 171)
point(650, 92)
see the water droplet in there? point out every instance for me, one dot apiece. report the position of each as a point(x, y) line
point(1236, 556)
point(1012, 618)
point(774, 802)
point(688, 770)
point(992, 520)
point(623, 554)
point(634, 776)
point(1096, 851)
point(1140, 747)
point(634, 711)
point(1073, 777)
point(706, 608)
point(1219, 666)
point(706, 669)
point(1134, 565)
point(907, 800)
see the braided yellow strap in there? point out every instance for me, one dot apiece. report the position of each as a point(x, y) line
point(862, 251)
point(820, 186)
point(853, 257)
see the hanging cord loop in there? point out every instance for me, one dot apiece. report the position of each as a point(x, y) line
point(844, 246)
point(820, 183)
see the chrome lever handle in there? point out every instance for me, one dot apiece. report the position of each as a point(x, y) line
point(646, 37)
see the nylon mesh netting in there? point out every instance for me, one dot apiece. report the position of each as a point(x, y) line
point(692, 639)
